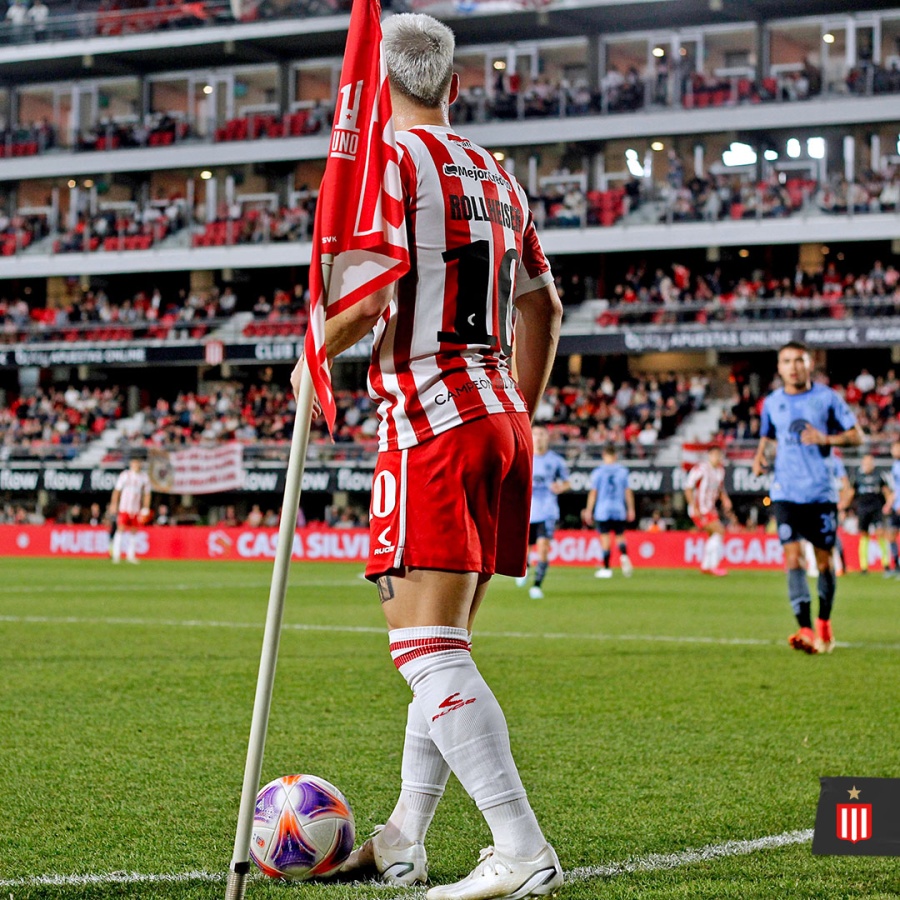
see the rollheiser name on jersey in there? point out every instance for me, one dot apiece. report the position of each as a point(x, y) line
point(443, 347)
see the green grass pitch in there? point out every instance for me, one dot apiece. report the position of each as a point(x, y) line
point(126, 697)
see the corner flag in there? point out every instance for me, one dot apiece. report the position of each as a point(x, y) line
point(359, 215)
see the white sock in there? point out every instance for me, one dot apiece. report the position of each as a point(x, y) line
point(117, 546)
point(468, 727)
point(708, 553)
point(424, 775)
point(132, 546)
point(717, 549)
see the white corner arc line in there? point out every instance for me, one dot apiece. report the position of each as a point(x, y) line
point(653, 862)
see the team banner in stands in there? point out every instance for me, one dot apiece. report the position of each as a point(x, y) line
point(359, 217)
point(661, 549)
point(199, 470)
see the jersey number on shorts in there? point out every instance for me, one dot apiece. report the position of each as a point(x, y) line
point(473, 279)
point(384, 494)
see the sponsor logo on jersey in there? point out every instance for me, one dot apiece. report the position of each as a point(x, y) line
point(453, 170)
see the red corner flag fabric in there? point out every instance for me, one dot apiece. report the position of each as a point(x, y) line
point(359, 221)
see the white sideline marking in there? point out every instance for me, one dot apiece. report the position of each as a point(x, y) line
point(132, 588)
point(365, 629)
point(656, 862)
point(110, 878)
point(653, 862)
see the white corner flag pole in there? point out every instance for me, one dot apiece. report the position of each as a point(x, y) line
point(240, 860)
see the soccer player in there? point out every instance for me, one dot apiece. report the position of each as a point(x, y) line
point(892, 510)
point(610, 506)
point(549, 479)
point(451, 490)
point(130, 502)
point(704, 491)
point(803, 421)
point(870, 492)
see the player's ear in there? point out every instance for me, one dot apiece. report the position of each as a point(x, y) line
point(454, 88)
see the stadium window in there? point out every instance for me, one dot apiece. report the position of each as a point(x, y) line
point(793, 148)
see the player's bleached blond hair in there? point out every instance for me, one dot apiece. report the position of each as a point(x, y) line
point(418, 52)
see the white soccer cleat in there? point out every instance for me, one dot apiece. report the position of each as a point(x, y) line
point(521, 582)
point(499, 875)
point(536, 593)
point(627, 566)
point(393, 865)
point(603, 573)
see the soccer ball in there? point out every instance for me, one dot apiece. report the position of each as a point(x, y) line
point(302, 828)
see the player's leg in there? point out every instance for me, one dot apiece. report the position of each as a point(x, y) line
point(826, 585)
point(801, 603)
point(790, 532)
point(131, 545)
point(605, 531)
point(892, 531)
point(865, 526)
point(522, 580)
point(823, 518)
point(714, 550)
point(429, 611)
point(117, 535)
point(625, 563)
point(542, 550)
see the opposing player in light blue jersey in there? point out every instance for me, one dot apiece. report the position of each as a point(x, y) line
point(892, 509)
point(803, 421)
point(549, 479)
point(610, 505)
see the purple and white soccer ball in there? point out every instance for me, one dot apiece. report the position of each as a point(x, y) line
point(302, 828)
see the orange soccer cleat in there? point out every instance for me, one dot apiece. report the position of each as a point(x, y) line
point(825, 637)
point(805, 640)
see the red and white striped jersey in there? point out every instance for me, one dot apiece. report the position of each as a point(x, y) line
point(131, 487)
point(706, 480)
point(442, 348)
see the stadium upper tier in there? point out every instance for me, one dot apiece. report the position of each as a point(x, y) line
point(723, 123)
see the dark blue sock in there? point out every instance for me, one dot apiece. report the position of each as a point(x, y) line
point(827, 586)
point(606, 556)
point(540, 570)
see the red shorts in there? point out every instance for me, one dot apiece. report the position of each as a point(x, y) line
point(704, 520)
point(127, 520)
point(458, 502)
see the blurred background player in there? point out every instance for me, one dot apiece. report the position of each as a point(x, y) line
point(869, 492)
point(803, 421)
point(704, 490)
point(610, 506)
point(130, 504)
point(549, 479)
point(892, 510)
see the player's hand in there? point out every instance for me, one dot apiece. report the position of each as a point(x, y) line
point(812, 436)
point(759, 466)
point(629, 517)
point(586, 517)
point(296, 375)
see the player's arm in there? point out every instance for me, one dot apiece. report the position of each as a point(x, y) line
point(145, 504)
point(114, 502)
point(759, 459)
point(347, 328)
point(852, 437)
point(587, 514)
point(538, 317)
point(629, 504)
point(845, 494)
point(727, 505)
point(562, 483)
